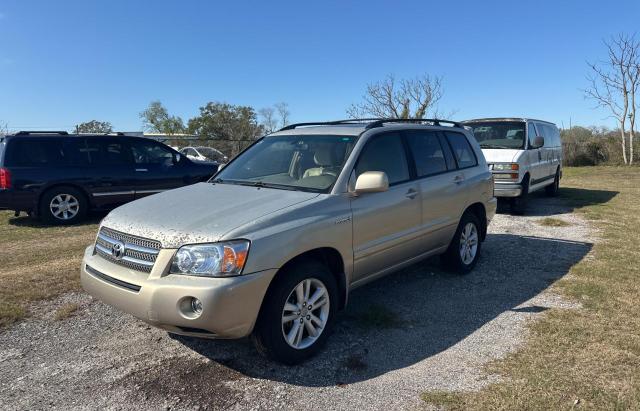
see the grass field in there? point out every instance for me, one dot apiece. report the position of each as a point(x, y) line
point(587, 358)
point(38, 262)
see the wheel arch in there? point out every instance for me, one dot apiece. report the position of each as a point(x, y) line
point(330, 257)
point(479, 210)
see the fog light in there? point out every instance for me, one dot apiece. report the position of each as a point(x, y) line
point(196, 306)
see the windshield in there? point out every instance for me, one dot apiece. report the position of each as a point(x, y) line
point(305, 163)
point(499, 134)
point(210, 153)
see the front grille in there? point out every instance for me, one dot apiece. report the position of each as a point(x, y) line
point(139, 253)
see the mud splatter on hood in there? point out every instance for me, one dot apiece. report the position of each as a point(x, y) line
point(199, 213)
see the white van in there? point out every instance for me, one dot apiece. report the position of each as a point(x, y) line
point(524, 155)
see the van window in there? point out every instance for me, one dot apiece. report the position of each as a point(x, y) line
point(499, 134)
point(461, 150)
point(533, 133)
point(427, 153)
point(35, 153)
point(385, 153)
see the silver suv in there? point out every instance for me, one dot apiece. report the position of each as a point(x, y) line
point(272, 245)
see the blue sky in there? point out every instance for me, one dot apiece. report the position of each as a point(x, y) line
point(64, 62)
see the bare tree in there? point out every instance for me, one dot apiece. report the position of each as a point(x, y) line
point(4, 128)
point(614, 84)
point(268, 119)
point(407, 98)
point(283, 112)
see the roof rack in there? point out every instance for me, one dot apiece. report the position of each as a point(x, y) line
point(29, 133)
point(329, 123)
point(372, 122)
point(434, 121)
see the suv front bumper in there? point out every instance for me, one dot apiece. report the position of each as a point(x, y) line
point(230, 305)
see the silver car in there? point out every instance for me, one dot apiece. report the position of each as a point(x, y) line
point(274, 243)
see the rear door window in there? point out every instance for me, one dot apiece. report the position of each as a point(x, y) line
point(428, 155)
point(107, 152)
point(462, 150)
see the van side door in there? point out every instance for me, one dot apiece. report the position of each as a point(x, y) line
point(535, 156)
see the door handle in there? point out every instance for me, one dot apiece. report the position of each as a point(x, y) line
point(458, 179)
point(142, 170)
point(411, 194)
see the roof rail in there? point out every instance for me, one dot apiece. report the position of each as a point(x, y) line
point(329, 123)
point(434, 121)
point(373, 122)
point(29, 133)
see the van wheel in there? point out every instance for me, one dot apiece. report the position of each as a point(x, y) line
point(63, 206)
point(464, 249)
point(552, 190)
point(519, 204)
point(297, 314)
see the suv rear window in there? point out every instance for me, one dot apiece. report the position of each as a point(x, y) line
point(462, 150)
point(30, 153)
point(427, 153)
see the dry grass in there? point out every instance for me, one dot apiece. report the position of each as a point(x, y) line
point(553, 222)
point(38, 262)
point(66, 311)
point(588, 358)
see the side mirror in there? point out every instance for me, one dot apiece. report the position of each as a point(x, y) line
point(177, 157)
point(372, 182)
point(538, 142)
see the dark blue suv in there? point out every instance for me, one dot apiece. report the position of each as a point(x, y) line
point(59, 177)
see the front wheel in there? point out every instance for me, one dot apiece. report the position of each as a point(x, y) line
point(519, 204)
point(464, 250)
point(297, 314)
point(552, 190)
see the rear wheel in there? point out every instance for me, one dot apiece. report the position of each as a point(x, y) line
point(297, 314)
point(63, 206)
point(464, 250)
point(552, 190)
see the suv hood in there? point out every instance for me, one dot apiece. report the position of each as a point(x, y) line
point(200, 213)
point(500, 155)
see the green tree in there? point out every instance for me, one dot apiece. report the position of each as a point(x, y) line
point(156, 119)
point(94, 126)
point(234, 126)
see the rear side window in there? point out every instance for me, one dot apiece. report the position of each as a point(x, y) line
point(462, 150)
point(35, 153)
point(427, 153)
point(107, 152)
point(385, 153)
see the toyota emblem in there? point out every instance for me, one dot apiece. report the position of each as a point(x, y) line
point(117, 250)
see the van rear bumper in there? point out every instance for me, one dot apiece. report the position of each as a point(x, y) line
point(507, 190)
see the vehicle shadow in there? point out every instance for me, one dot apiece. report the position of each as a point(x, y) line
point(567, 200)
point(414, 314)
point(27, 221)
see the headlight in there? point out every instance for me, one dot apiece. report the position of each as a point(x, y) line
point(506, 167)
point(213, 260)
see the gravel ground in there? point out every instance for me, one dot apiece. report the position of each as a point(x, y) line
point(434, 331)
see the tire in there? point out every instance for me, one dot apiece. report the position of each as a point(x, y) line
point(455, 258)
point(552, 190)
point(519, 204)
point(271, 331)
point(63, 205)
